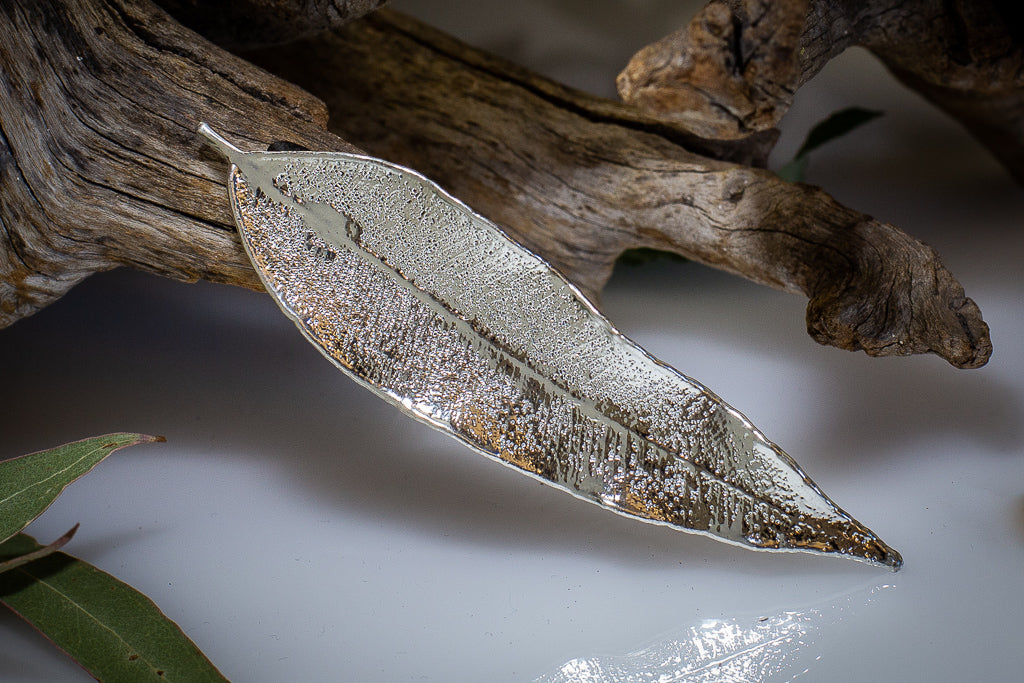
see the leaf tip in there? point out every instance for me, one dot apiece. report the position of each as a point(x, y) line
point(219, 141)
point(860, 543)
point(124, 440)
point(893, 561)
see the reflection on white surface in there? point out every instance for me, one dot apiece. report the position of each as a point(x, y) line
point(720, 650)
point(714, 651)
point(297, 527)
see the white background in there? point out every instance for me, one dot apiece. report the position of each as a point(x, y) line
point(298, 528)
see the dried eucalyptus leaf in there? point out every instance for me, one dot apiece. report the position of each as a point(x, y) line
point(433, 308)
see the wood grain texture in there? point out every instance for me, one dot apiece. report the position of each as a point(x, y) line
point(100, 166)
point(734, 69)
point(579, 179)
point(731, 72)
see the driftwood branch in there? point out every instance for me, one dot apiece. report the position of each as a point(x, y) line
point(580, 179)
point(733, 71)
point(100, 166)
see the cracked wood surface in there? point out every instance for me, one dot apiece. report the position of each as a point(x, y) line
point(100, 166)
point(733, 70)
point(580, 179)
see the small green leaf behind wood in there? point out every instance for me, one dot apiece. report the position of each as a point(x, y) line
point(113, 631)
point(29, 484)
point(835, 126)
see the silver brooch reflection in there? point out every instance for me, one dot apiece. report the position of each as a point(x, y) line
point(433, 308)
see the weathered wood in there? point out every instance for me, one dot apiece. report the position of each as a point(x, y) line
point(734, 69)
point(731, 72)
point(971, 65)
point(580, 179)
point(101, 166)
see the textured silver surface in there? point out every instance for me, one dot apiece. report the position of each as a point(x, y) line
point(432, 307)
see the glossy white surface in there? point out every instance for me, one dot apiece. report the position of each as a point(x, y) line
point(299, 529)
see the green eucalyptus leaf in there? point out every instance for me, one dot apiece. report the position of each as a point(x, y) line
point(835, 126)
point(795, 171)
point(113, 631)
point(29, 484)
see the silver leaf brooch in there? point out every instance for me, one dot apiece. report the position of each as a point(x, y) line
point(433, 308)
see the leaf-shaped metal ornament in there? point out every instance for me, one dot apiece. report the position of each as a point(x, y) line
point(432, 307)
